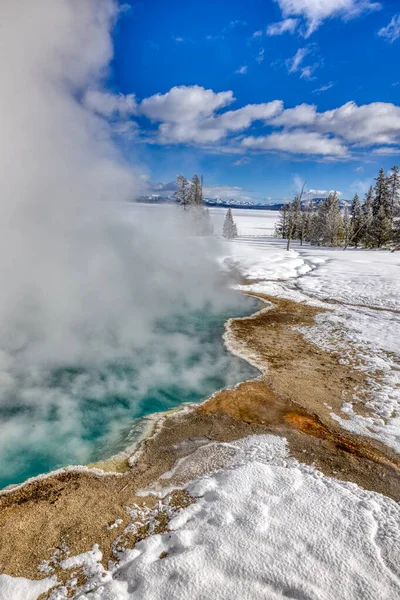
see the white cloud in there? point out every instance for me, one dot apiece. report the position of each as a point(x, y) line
point(309, 194)
point(257, 34)
point(297, 142)
point(184, 103)
point(242, 70)
point(307, 72)
point(293, 64)
point(392, 31)
point(108, 104)
point(287, 25)
point(233, 25)
point(323, 88)
point(213, 128)
point(245, 160)
point(226, 191)
point(361, 186)
point(387, 151)
point(260, 55)
point(316, 11)
point(366, 125)
point(192, 114)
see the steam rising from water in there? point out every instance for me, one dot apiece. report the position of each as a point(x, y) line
point(83, 282)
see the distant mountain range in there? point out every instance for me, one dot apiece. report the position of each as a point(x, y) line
point(235, 203)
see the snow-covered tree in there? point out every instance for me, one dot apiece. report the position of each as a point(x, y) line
point(356, 221)
point(347, 228)
point(183, 193)
point(394, 192)
point(229, 229)
point(381, 197)
point(197, 192)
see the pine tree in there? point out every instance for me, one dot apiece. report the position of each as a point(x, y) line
point(347, 228)
point(197, 192)
point(183, 193)
point(381, 198)
point(380, 228)
point(356, 222)
point(229, 229)
point(394, 193)
point(368, 218)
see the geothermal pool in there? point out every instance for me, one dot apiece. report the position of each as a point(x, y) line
point(81, 414)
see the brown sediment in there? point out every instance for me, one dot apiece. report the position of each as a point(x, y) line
point(299, 388)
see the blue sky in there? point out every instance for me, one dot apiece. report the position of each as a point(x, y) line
point(180, 66)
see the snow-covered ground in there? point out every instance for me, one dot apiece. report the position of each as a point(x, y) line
point(362, 289)
point(262, 527)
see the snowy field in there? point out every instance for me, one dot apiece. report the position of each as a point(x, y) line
point(265, 526)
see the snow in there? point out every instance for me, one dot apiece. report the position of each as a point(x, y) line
point(19, 588)
point(362, 290)
point(262, 527)
point(248, 222)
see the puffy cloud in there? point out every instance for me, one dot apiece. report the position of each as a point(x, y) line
point(192, 119)
point(184, 103)
point(300, 116)
point(366, 125)
point(317, 11)
point(297, 142)
point(287, 25)
point(108, 104)
point(242, 70)
point(392, 31)
point(195, 115)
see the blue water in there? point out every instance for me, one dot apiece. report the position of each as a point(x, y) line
point(78, 415)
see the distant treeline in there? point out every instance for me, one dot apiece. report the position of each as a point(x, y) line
point(372, 224)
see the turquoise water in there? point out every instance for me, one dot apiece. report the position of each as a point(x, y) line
point(78, 415)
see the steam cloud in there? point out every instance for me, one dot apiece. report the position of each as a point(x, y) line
point(83, 278)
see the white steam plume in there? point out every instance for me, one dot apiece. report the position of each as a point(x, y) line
point(78, 284)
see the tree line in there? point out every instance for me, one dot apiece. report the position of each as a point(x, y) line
point(373, 223)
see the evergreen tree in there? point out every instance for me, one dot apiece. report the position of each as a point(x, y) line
point(380, 228)
point(356, 222)
point(197, 192)
point(368, 218)
point(347, 228)
point(229, 229)
point(381, 198)
point(394, 192)
point(183, 193)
